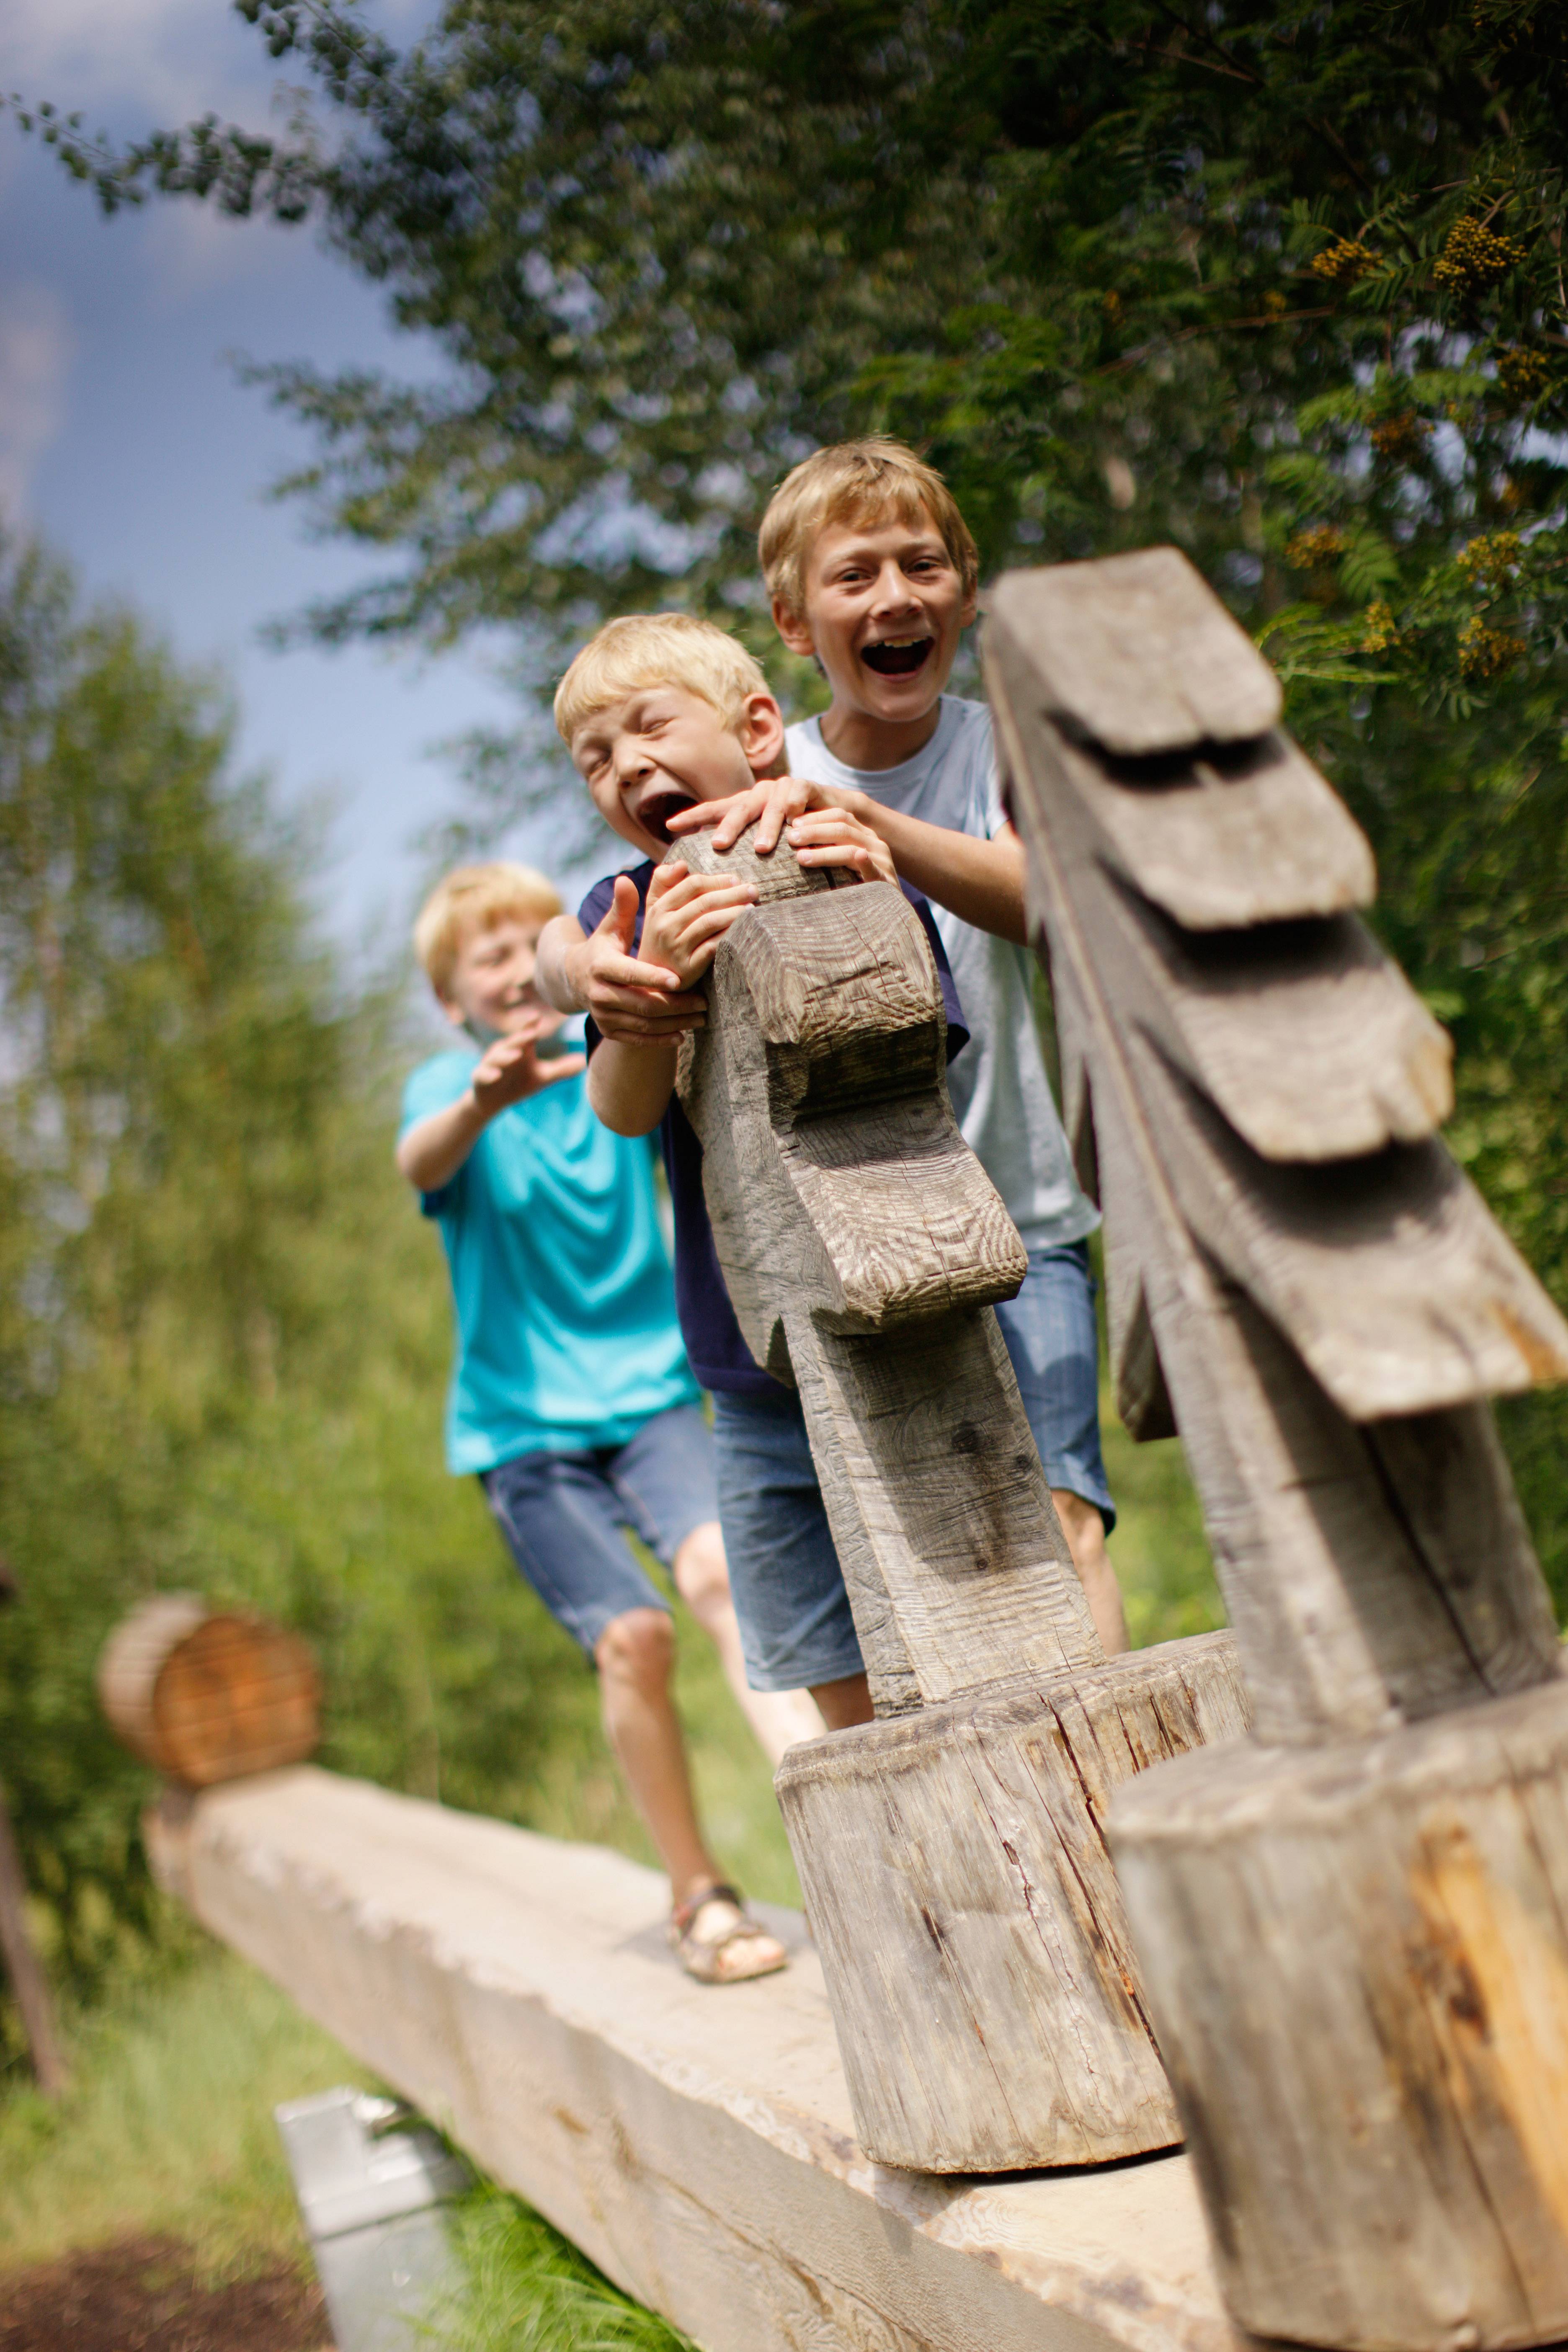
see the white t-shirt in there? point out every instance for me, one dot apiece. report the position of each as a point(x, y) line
point(1000, 1092)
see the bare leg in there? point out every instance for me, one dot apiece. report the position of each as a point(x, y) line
point(635, 1655)
point(845, 1704)
point(779, 1718)
point(1085, 1531)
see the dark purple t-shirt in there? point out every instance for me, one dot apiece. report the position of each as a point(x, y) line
point(718, 1356)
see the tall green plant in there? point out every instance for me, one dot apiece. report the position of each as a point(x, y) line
point(224, 1334)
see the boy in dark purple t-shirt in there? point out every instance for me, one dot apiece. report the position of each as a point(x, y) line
point(660, 713)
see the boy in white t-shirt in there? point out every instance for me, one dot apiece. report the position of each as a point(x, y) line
point(872, 571)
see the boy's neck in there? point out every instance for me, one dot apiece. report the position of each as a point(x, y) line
point(861, 740)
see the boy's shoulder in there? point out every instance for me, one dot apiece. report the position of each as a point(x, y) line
point(438, 1082)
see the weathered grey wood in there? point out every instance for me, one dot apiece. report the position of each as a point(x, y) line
point(1095, 626)
point(1307, 1040)
point(861, 1242)
point(982, 1861)
point(1349, 1639)
point(1377, 2120)
point(697, 2142)
point(1353, 1944)
point(879, 1224)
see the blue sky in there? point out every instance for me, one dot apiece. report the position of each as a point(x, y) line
point(126, 440)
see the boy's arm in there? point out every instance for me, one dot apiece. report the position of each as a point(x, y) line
point(630, 1085)
point(434, 1149)
point(981, 881)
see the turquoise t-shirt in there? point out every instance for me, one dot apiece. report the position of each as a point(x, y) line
point(566, 1331)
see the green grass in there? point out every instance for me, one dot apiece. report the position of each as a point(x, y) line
point(167, 2128)
point(1159, 1547)
point(525, 2288)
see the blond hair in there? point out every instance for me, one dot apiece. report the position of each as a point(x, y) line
point(849, 482)
point(473, 899)
point(645, 649)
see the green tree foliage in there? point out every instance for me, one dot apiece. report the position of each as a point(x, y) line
point(224, 1334)
point(1283, 283)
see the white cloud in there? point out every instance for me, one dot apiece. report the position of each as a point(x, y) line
point(36, 346)
point(164, 60)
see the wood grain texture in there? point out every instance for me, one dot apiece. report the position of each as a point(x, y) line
point(696, 2141)
point(209, 1696)
point(1093, 627)
point(977, 1917)
point(861, 1247)
point(1353, 1941)
point(1378, 2124)
point(972, 1932)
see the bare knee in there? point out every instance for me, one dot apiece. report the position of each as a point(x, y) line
point(701, 1572)
point(1082, 1526)
point(636, 1649)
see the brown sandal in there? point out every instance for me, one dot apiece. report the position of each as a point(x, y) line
point(719, 1943)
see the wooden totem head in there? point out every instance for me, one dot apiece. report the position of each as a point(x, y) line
point(862, 1245)
point(1295, 1262)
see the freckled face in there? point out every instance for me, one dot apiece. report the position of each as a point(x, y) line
point(664, 749)
point(885, 608)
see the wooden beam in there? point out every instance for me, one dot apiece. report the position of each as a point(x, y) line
point(696, 2141)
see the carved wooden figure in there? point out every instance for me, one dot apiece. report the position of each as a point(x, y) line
point(952, 1855)
point(1351, 1928)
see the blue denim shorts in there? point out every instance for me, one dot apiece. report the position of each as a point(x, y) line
point(1054, 1341)
point(796, 1629)
point(564, 1517)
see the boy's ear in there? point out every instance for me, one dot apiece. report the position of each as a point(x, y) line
point(762, 734)
point(454, 1013)
point(793, 627)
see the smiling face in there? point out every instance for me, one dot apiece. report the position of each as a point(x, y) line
point(491, 989)
point(664, 748)
point(885, 606)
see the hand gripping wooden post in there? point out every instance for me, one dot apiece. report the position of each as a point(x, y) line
point(953, 1865)
point(1352, 1930)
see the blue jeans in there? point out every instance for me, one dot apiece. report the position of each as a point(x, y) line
point(1054, 1341)
point(796, 1628)
point(564, 1517)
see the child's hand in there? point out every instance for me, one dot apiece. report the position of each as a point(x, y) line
point(688, 915)
point(833, 837)
point(631, 999)
point(768, 804)
point(510, 1069)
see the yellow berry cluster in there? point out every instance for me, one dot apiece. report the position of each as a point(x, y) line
point(1402, 438)
point(1490, 561)
point(1474, 255)
point(1522, 374)
point(1484, 652)
point(1344, 261)
point(1379, 631)
point(1309, 548)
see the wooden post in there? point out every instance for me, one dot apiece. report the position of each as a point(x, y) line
point(29, 1984)
point(1351, 1930)
point(955, 1867)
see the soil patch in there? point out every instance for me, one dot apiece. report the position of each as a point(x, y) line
point(141, 2296)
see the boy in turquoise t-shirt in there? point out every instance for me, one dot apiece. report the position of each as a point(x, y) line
point(572, 1399)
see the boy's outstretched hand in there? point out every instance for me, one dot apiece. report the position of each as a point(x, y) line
point(510, 1070)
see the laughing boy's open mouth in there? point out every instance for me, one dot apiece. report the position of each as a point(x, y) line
point(655, 813)
point(898, 656)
